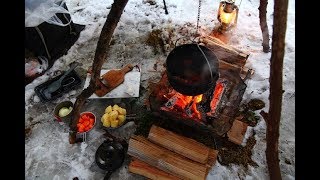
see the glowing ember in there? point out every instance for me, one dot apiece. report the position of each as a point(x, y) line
point(218, 91)
point(183, 103)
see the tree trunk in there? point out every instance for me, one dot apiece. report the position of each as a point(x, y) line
point(264, 25)
point(275, 97)
point(99, 58)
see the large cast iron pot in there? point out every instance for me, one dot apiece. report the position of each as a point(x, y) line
point(188, 70)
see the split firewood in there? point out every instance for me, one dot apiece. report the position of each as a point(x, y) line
point(187, 147)
point(139, 167)
point(166, 160)
point(237, 132)
point(225, 52)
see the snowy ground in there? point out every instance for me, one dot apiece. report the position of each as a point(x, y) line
point(48, 154)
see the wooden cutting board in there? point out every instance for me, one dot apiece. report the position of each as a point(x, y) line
point(128, 89)
point(112, 79)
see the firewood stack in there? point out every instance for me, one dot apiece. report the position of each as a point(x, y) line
point(165, 155)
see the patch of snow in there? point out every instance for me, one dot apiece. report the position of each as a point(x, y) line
point(48, 154)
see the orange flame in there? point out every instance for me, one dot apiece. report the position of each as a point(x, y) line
point(184, 101)
point(197, 99)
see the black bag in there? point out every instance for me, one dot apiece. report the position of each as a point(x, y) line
point(52, 41)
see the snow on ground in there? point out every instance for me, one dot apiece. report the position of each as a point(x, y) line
point(48, 155)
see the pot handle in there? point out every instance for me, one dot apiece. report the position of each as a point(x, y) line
point(107, 176)
point(193, 40)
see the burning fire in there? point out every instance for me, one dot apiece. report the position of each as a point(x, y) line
point(181, 102)
point(218, 92)
point(188, 105)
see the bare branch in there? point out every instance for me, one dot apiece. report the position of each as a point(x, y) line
point(99, 58)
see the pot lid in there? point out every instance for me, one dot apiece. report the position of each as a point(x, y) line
point(109, 155)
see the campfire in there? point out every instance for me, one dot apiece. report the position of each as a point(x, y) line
point(214, 109)
point(195, 107)
point(183, 103)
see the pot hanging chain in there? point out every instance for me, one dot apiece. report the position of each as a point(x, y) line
point(198, 18)
point(197, 32)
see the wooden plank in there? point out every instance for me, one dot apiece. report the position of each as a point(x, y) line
point(166, 160)
point(187, 147)
point(237, 132)
point(225, 52)
point(139, 167)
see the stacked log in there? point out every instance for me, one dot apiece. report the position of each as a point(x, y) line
point(166, 155)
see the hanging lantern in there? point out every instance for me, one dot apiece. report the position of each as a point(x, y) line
point(227, 14)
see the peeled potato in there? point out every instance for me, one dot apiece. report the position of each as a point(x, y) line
point(115, 107)
point(108, 109)
point(115, 123)
point(106, 123)
point(104, 117)
point(113, 115)
point(122, 111)
point(121, 118)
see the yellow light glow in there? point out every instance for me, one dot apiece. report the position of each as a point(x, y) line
point(227, 18)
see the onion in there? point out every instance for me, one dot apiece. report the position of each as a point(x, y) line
point(64, 111)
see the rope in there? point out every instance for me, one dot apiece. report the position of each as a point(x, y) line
point(43, 41)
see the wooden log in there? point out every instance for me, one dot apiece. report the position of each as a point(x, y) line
point(166, 160)
point(225, 52)
point(237, 132)
point(242, 71)
point(139, 167)
point(213, 154)
point(187, 147)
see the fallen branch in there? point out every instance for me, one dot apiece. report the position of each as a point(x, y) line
point(100, 56)
point(165, 7)
point(265, 115)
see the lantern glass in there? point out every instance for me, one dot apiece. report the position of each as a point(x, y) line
point(227, 14)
